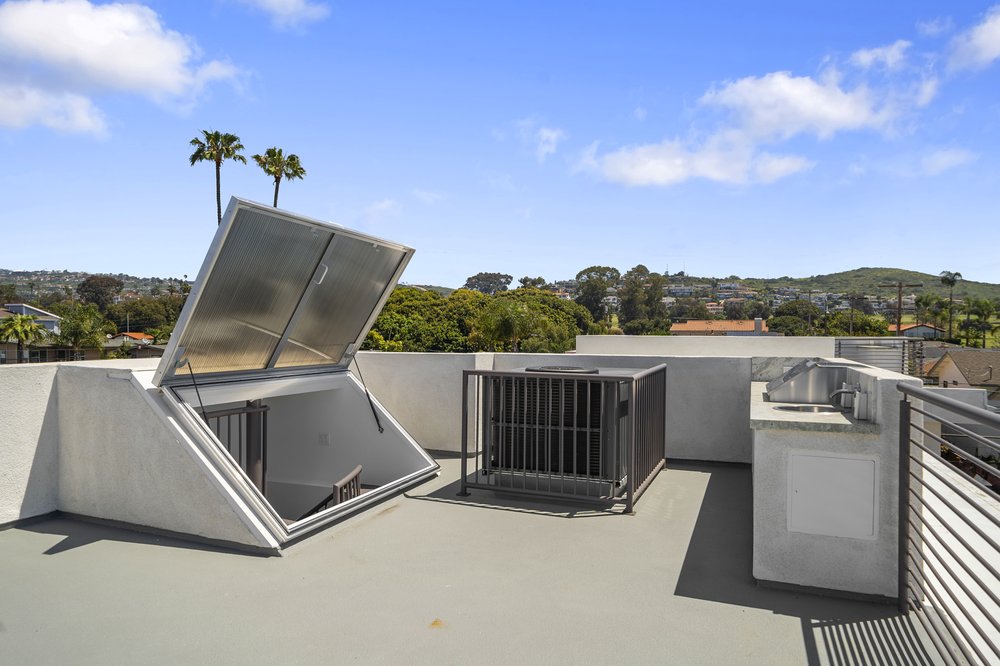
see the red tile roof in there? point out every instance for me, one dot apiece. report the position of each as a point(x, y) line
point(716, 326)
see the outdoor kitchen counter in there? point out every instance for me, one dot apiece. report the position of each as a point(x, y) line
point(766, 416)
point(823, 491)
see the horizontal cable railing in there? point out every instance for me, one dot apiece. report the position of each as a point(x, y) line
point(899, 354)
point(949, 523)
point(584, 436)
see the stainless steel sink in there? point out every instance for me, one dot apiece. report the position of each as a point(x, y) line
point(809, 382)
point(808, 408)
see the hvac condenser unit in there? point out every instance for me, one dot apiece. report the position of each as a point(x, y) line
point(257, 369)
point(558, 430)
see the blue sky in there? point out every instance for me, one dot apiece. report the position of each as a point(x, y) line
point(530, 138)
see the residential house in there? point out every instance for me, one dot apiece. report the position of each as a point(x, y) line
point(925, 331)
point(47, 319)
point(969, 368)
point(719, 327)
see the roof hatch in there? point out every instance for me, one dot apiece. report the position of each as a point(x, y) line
point(279, 291)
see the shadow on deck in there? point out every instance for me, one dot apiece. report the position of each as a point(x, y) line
point(718, 567)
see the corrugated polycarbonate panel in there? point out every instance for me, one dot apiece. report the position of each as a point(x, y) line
point(254, 287)
point(336, 312)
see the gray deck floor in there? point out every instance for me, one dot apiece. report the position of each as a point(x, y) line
point(429, 577)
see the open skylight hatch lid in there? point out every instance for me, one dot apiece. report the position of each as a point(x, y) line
point(279, 293)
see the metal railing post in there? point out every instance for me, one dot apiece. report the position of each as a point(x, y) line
point(630, 451)
point(464, 492)
point(902, 588)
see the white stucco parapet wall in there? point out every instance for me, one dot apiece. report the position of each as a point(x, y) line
point(95, 440)
point(706, 345)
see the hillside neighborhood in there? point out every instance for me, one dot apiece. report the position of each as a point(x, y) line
point(106, 316)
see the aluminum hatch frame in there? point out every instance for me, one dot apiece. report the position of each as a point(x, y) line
point(308, 312)
point(227, 268)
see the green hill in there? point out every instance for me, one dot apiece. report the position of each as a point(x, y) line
point(870, 281)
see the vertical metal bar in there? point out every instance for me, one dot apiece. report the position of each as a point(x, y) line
point(576, 406)
point(562, 435)
point(463, 490)
point(903, 559)
point(548, 430)
point(613, 439)
point(506, 385)
point(630, 450)
point(263, 424)
point(255, 453)
point(586, 437)
point(524, 433)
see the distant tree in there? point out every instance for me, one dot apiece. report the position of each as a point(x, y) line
point(783, 319)
point(84, 327)
point(592, 286)
point(983, 310)
point(141, 314)
point(503, 324)
point(647, 327)
point(735, 309)
point(8, 293)
point(537, 282)
point(632, 295)
point(801, 308)
point(758, 309)
point(930, 309)
point(22, 329)
point(488, 283)
point(950, 279)
point(689, 308)
point(216, 147)
point(859, 302)
point(788, 325)
point(160, 335)
point(100, 290)
point(277, 165)
point(48, 299)
point(642, 311)
point(854, 322)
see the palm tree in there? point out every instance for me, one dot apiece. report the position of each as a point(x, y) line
point(217, 147)
point(278, 166)
point(84, 327)
point(950, 279)
point(23, 329)
point(983, 310)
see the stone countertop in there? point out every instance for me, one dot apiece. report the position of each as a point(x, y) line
point(765, 416)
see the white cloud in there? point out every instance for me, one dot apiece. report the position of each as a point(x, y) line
point(290, 13)
point(587, 161)
point(891, 57)
point(381, 207)
point(501, 182)
point(764, 110)
point(926, 91)
point(768, 168)
point(23, 106)
point(547, 139)
point(725, 158)
point(939, 161)
point(935, 27)
point(979, 46)
point(57, 53)
point(782, 105)
point(426, 196)
point(543, 140)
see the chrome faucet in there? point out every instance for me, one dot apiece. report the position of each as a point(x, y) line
point(842, 391)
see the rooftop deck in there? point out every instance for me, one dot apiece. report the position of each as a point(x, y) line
point(430, 577)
